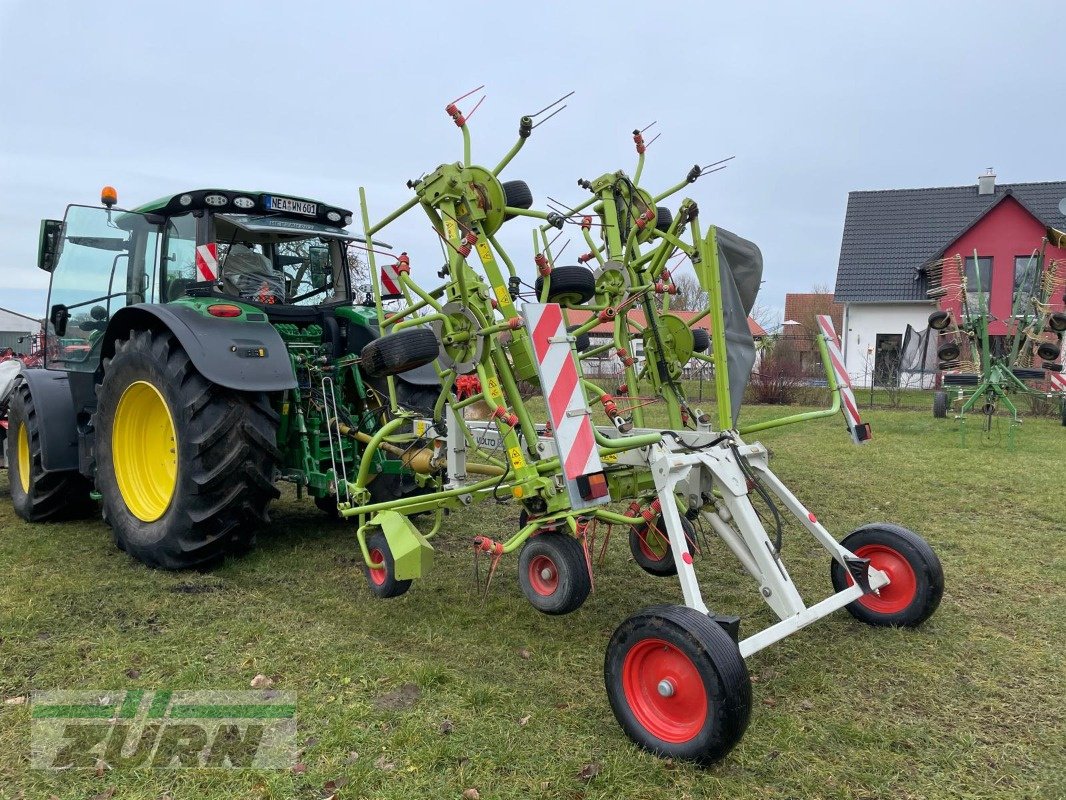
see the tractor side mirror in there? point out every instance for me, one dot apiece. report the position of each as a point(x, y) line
point(59, 316)
point(48, 243)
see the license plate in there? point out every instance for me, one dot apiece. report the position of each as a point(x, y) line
point(292, 206)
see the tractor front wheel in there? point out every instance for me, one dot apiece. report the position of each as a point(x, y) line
point(677, 684)
point(38, 496)
point(186, 467)
point(916, 577)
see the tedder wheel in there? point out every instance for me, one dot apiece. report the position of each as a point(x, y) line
point(663, 218)
point(651, 549)
point(1049, 351)
point(701, 340)
point(912, 566)
point(517, 194)
point(382, 581)
point(677, 684)
point(553, 573)
point(186, 468)
point(38, 496)
point(1057, 322)
point(948, 351)
point(398, 352)
point(940, 405)
point(583, 342)
point(572, 285)
point(939, 320)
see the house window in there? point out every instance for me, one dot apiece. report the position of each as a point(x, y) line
point(1026, 273)
point(978, 273)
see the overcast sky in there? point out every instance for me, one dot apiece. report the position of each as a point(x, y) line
point(317, 99)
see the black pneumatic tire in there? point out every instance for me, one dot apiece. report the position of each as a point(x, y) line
point(701, 340)
point(663, 218)
point(678, 650)
point(582, 341)
point(939, 320)
point(382, 582)
point(1057, 322)
point(1049, 351)
point(517, 194)
point(51, 495)
point(654, 555)
point(569, 285)
point(948, 351)
point(940, 405)
point(553, 573)
point(398, 352)
point(917, 576)
point(225, 449)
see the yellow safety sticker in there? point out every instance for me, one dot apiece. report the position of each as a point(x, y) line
point(495, 392)
point(484, 251)
point(516, 457)
point(503, 297)
point(610, 458)
point(450, 230)
point(420, 427)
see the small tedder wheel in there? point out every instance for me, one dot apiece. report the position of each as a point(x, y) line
point(570, 285)
point(939, 320)
point(948, 352)
point(382, 580)
point(1057, 322)
point(583, 342)
point(917, 579)
point(398, 352)
point(677, 684)
point(663, 218)
point(701, 340)
point(517, 194)
point(651, 547)
point(1049, 351)
point(940, 405)
point(553, 573)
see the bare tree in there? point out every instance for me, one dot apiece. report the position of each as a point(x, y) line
point(690, 295)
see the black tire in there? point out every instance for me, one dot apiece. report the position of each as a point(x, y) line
point(663, 218)
point(583, 342)
point(678, 650)
point(651, 549)
point(39, 496)
point(917, 577)
point(553, 573)
point(382, 582)
point(517, 194)
point(328, 505)
point(1049, 351)
point(940, 320)
point(398, 352)
point(523, 520)
point(1057, 322)
point(701, 340)
point(948, 351)
point(940, 405)
point(570, 285)
point(225, 452)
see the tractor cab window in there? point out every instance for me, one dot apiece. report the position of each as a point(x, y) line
point(105, 262)
point(272, 261)
point(179, 257)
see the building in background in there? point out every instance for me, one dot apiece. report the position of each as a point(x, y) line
point(891, 235)
point(801, 325)
point(15, 326)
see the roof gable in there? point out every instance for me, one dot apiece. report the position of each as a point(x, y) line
point(889, 234)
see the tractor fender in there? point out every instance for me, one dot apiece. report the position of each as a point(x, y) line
point(247, 356)
point(53, 401)
point(411, 553)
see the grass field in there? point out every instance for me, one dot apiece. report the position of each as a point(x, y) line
point(438, 692)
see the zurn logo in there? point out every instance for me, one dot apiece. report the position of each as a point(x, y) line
point(163, 729)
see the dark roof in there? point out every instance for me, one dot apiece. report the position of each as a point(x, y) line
point(889, 234)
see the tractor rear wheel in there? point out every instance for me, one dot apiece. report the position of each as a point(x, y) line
point(940, 405)
point(186, 467)
point(38, 496)
point(677, 684)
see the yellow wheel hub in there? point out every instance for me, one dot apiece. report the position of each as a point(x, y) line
point(24, 457)
point(144, 451)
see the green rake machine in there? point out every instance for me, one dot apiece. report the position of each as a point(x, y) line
point(675, 675)
point(982, 371)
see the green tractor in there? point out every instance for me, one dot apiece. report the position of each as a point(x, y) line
point(200, 349)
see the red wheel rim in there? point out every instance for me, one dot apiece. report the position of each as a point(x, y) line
point(646, 532)
point(664, 690)
point(379, 575)
point(543, 575)
point(900, 593)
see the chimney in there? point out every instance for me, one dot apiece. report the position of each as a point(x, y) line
point(986, 184)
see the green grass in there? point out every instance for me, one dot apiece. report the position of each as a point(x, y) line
point(970, 705)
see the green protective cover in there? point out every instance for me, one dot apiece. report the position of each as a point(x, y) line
point(412, 555)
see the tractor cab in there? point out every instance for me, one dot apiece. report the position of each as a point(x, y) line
point(285, 255)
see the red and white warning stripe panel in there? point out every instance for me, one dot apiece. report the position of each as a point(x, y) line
point(1057, 381)
point(568, 411)
point(207, 261)
point(390, 282)
point(859, 430)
